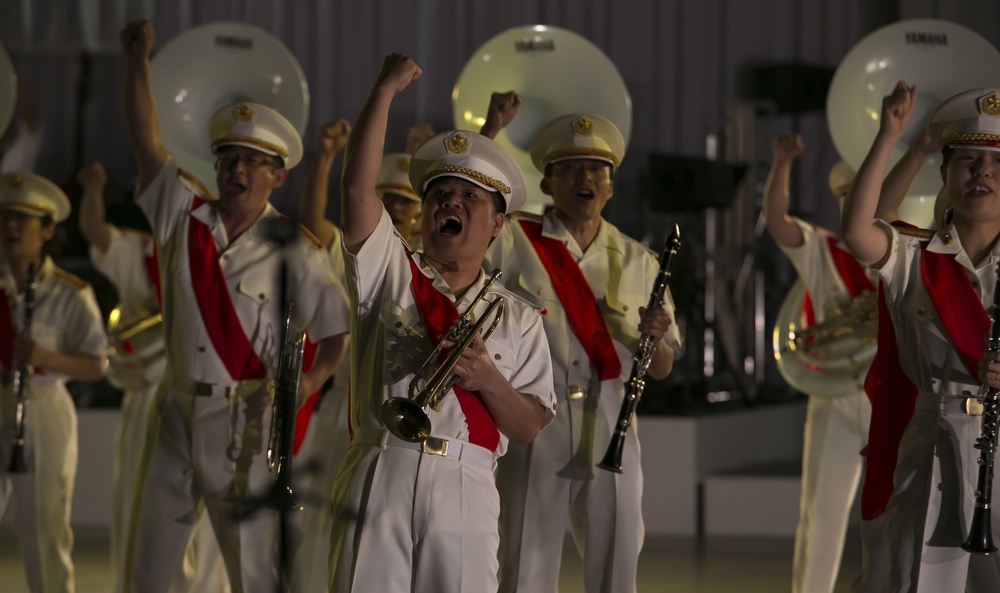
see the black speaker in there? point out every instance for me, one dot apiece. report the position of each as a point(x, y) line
point(684, 183)
point(793, 88)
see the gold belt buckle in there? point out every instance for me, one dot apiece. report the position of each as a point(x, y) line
point(435, 446)
point(575, 392)
point(972, 406)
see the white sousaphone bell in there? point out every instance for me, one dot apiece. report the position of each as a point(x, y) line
point(8, 90)
point(557, 72)
point(214, 65)
point(831, 359)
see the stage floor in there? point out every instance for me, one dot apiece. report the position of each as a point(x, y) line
point(718, 565)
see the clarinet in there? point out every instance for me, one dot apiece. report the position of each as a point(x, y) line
point(980, 540)
point(612, 460)
point(22, 376)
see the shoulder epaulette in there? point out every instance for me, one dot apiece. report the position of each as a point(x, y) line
point(921, 234)
point(65, 277)
point(195, 185)
point(529, 216)
point(533, 306)
point(306, 233)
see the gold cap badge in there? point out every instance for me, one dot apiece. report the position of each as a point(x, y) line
point(583, 126)
point(243, 113)
point(457, 144)
point(990, 105)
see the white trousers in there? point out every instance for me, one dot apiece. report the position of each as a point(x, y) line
point(835, 432)
point(929, 514)
point(203, 569)
point(415, 522)
point(205, 453)
point(315, 471)
point(552, 483)
point(43, 495)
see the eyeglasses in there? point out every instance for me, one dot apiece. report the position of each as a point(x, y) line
point(250, 159)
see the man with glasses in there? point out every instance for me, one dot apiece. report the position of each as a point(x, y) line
point(225, 266)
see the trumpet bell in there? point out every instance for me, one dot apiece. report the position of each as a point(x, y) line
point(829, 359)
point(928, 53)
point(136, 350)
point(8, 90)
point(556, 72)
point(405, 419)
point(215, 65)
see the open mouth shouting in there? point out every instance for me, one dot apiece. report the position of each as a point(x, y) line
point(979, 190)
point(449, 225)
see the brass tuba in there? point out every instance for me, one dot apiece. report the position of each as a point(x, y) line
point(407, 417)
point(831, 358)
point(554, 71)
point(214, 65)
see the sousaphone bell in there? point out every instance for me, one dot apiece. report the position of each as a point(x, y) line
point(214, 65)
point(556, 72)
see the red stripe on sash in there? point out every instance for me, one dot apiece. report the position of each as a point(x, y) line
point(958, 306)
point(7, 334)
point(217, 311)
point(439, 313)
point(582, 311)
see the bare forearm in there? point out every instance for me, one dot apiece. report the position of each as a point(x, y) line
point(517, 415)
point(662, 361)
point(92, 224)
point(868, 243)
point(781, 227)
point(329, 352)
point(312, 207)
point(360, 205)
point(142, 122)
point(898, 182)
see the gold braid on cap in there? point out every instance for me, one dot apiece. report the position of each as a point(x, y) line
point(252, 142)
point(582, 152)
point(977, 139)
point(466, 172)
point(29, 207)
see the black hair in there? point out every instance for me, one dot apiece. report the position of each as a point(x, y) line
point(946, 152)
point(611, 168)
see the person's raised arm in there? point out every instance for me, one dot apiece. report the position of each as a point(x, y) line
point(868, 241)
point(141, 119)
point(360, 205)
point(898, 181)
point(783, 229)
point(93, 227)
point(312, 206)
point(503, 107)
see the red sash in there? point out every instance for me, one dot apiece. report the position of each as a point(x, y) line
point(891, 392)
point(582, 311)
point(217, 311)
point(439, 313)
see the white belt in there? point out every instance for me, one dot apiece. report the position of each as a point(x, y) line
point(458, 450)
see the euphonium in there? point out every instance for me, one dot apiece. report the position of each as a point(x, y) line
point(407, 417)
point(612, 460)
point(980, 540)
point(22, 378)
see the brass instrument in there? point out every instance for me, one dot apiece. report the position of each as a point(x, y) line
point(553, 69)
point(830, 358)
point(136, 349)
point(980, 540)
point(407, 417)
point(612, 460)
point(283, 408)
point(22, 380)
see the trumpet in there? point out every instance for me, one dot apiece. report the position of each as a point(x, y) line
point(612, 460)
point(286, 390)
point(980, 540)
point(22, 377)
point(406, 417)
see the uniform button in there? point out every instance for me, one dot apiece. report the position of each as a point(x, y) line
point(399, 324)
point(201, 348)
point(262, 296)
point(625, 308)
point(539, 291)
point(225, 256)
point(496, 356)
point(576, 363)
point(975, 284)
